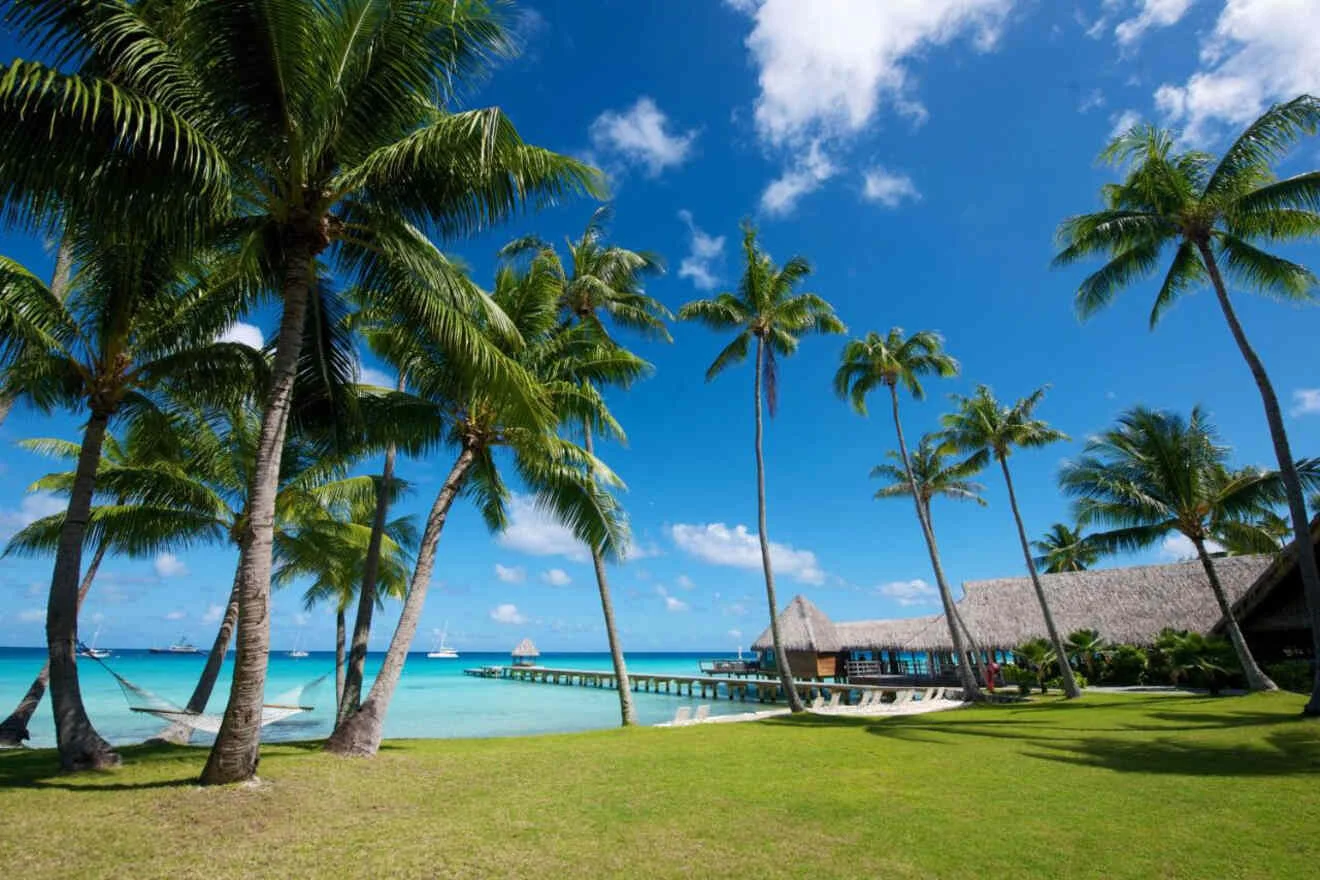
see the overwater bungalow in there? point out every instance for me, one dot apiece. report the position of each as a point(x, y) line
point(525, 653)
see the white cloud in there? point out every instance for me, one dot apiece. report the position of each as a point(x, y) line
point(1152, 14)
point(507, 613)
point(913, 592)
point(169, 565)
point(1093, 99)
point(888, 188)
point(514, 574)
point(1260, 52)
point(641, 135)
point(684, 582)
point(806, 176)
point(672, 603)
point(372, 376)
point(1123, 122)
point(244, 334)
point(637, 551)
point(535, 532)
point(718, 544)
point(31, 508)
point(735, 634)
point(32, 615)
point(706, 251)
point(825, 68)
point(556, 577)
point(1179, 547)
point(1306, 401)
point(176, 615)
point(214, 614)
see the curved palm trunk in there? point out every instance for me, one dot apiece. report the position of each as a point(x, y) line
point(13, 730)
point(1257, 680)
point(234, 756)
point(626, 708)
point(59, 286)
point(350, 694)
point(359, 734)
point(965, 676)
point(781, 658)
point(974, 652)
point(340, 633)
point(1292, 484)
point(1070, 689)
point(179, 733)
point(80, 746)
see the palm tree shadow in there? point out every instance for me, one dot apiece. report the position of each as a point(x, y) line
point(1285, 753)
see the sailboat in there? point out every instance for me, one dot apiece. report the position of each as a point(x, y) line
point(94, 652)
point(442, 651)
point(297, 653)
point(182, 646)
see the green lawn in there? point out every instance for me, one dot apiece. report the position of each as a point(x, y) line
point(1109, 787)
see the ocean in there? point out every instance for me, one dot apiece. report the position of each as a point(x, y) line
point(434, 697)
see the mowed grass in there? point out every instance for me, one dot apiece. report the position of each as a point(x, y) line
point(1107, 787)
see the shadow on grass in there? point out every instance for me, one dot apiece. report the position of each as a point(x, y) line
point(1293, 752)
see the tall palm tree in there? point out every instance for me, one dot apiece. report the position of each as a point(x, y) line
point(332, 140)
point(1213, 214)
point(603, 281)
point(1085, 645)
point(137, 316)
point(1155, 474)
point(1064, 548)
point(981, 425)
point(890, 361)
point(933, 475)
point(571, 484)
point(766, 309)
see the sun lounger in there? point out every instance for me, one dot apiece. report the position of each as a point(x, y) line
point(868, 697)
point(818, 703)
point(834, 700)
point(703, 712)
point(683, 715)
point(903, 696)
point(938, 694)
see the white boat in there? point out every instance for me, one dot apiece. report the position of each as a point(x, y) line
point(441, 651)
point(182, 646)
point(91, 650)
point(297, 653)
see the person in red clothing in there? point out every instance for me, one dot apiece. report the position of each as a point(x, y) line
point(991, 674)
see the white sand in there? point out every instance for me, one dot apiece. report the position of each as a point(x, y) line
point(888, 710)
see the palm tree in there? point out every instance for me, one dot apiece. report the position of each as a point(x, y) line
point(933, 475)
point(135, 319)
point(1084, 646)
point(765, 309)
point(1038, 655)
point(331, 142)
point(1212, 212)
point(605, 280)
point(1157, 474)
point(564, 479)
point(988, 429)
point(1063, 548)
point(889, 361)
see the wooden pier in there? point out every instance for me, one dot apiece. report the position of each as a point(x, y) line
point(761, 690)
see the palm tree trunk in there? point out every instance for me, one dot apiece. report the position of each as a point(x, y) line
point(13, 730)
point(974, 651)
point(340, 636)
point(351, 692)
point(80, 746)
point(781, 658)
point(178, 732)
point(970, 690)
point(359, 734)
point(1292, 484)
point(1070, 689)
point(1257, 680)
point(59, 286)
point(626, 708)
point(234, 756)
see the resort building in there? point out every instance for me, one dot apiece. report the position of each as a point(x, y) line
point(1126, 605)
point(525, 653)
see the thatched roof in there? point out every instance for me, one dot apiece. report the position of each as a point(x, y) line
point(802, 627)
point(1125, 604)
point(1280, 570)
point(526, 649)
point(865, 635)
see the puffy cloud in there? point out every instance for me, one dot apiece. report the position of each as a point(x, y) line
point(706, 251)
point(536, 532)
point(1094, 99)
point(718, 544)
point(176, 615)
point(214, 614)
point(169, 565)
point(641, 135)
point(31, 508)
point(1179, 547)
point(888, 188)
point(672, 603)
point(913, 592)
point(637, 551)
point(515, 574)
point(1151, 14)
point(244, 334)
point(556, 577)
point(1306, 401)
point(1260, 52)
point(806, 176)
point(507, 613)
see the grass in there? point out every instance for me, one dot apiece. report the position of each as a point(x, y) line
point(1108, 787)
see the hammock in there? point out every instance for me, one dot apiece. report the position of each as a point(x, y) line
point(291, 702)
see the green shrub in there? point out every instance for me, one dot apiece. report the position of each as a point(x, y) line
point(1292, 675)
point(1024, 679)
point(1056, 683)
point(1124, 665)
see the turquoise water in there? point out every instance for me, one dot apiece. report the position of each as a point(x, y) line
point(434, 698)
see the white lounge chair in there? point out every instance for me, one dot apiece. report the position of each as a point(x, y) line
point(938, 694)
point(818, 703)
point(903, 696)
point(683, 715)
point(865, 699)
point(703, 712)
point(834, 700)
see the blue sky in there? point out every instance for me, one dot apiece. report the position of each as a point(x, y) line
point(920, 155)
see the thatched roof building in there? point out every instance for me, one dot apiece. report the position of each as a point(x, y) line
point(870, 635)
point(526, 651)
point(802, 627)
point(1272, 612)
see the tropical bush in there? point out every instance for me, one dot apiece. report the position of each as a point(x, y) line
point(1123, 665)
point(1023, 678)
point(1039, 656)
point(1056, 683)
point(1292, 675)
point(1196, 660)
